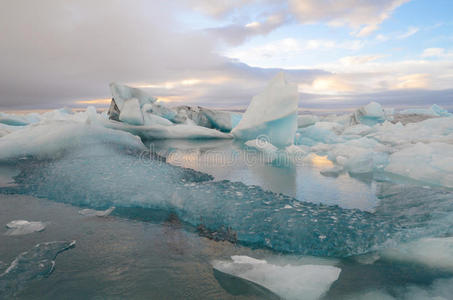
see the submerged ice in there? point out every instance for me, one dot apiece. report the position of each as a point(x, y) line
point(22, 227)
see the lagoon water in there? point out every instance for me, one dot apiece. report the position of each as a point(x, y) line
point(152, 246)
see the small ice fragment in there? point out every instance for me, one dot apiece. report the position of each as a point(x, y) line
point(21, 227)
point(96, 213)
point(287, 281)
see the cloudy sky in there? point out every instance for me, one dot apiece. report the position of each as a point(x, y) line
point(220, 53)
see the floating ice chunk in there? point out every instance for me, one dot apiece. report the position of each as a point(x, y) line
point(306, 120)
point(131, 112)
point(165, 112)
point(22, 227)
point(434, 110)
point(35, 263)
point(222, 120)
point(12, 120)
point(272, 113)
point(287, 281)
point(150, 119)
point(53, 139)
point(370, 114)
point(179, 131)
point(262, 145)
point(431, 163)
point(432, 252)
point(96, 213)
point(359, 129)
point(121, 93)
point(320, 132)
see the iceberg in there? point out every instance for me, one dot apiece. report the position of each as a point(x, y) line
point(121, 93)
point(165, 112)
point(287, 281)
point(370, 114)
point(435, 110)
point(306, 120)
point(178, 131)
point(13, 120)
point(22, 227)
point(222, 120)
point(431, 163)
point(273, 114)
point(131, 112)
point(35, 263)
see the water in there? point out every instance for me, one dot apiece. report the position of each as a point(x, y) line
point(152, 245)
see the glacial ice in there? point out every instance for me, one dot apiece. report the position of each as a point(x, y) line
point(306, 120)
point(35, 263)
point(434, 110)
point(222, 120)
point(131, 112)
point(370, 114)
point(431, 163)
point(178, 131)
point(53, 138)
point(287, 281)
point(22, 227)
point(87, 212)
point(273, 114)
point(121, 93)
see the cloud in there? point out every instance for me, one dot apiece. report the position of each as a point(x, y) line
point(433, 52)
point(410, 32)
point(364, 16)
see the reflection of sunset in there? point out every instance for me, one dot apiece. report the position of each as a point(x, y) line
point(321, 161)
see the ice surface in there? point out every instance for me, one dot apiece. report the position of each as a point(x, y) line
point(288, 281)
point(131, 112)
point(179, 131)
point(262, 145)
point(273, 113)
point(431, 163)
point(150, 119)
point(13, 120)
point(432, 252)
point(121, 93)
point(35, 263)
point(53, 139)
point(370, 114)
point(87, 212)
point(22, 227)
point(222, 120)
point(165, 112)
point(434, 110)
point(306, 120)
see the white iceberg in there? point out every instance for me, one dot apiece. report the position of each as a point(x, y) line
point(178, 131)
point(430, 163)
point(121, 93)
point(370, 114)
point(222, 120)
point(306, 120)
point(435, 110)
point(131, 112)
point(22, 227)
point(288, 281)
point(53, 138)
point(273, 114)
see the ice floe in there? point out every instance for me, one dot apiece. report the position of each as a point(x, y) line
point(22, 227)
point(87, 212)
point(287, 281)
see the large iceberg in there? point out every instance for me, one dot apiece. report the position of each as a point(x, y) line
point(131, 112)
point(434, 110)
point(369, 114)
point(272, 114)
point(121, 93)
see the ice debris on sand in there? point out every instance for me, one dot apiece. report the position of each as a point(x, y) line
point(288, 281)
point(22, 227)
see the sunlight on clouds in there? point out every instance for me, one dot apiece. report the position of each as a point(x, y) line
point(433, 52)
point(252, 25)
point(95, 101)
point(181, 83)
point(413, 81)
point(328, 85)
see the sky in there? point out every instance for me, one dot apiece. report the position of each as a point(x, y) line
point(219, 53)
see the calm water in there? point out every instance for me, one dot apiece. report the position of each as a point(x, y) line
point(141, 253)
